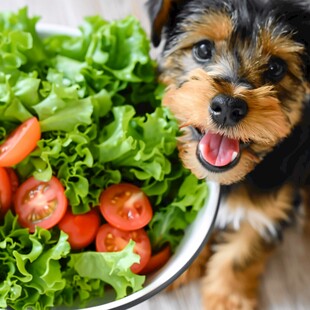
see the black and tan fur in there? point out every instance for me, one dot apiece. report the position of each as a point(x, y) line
point(259, 53)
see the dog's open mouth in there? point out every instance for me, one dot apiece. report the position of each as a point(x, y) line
point(218, 153)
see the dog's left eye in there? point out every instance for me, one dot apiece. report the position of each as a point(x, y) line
point(276, 70)
point(202, 51)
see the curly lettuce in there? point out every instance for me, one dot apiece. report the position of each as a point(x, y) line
point(99, 106)
point(30, 269)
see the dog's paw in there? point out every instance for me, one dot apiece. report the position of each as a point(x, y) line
point(194, 272)
point(188, 276)
point(228, 302)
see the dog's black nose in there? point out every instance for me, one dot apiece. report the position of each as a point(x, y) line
point(227, 111)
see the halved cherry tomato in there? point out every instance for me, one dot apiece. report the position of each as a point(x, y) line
point(157, 261)
point(81, 228)
point(39, 203)
point(125, 206)
point(20, 143)
point(14, 181)
point(112, 239)
point(5, 192)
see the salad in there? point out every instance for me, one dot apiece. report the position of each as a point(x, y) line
point(92, 110)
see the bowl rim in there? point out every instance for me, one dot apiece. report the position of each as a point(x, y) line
point(204, 223)
point(47, 29)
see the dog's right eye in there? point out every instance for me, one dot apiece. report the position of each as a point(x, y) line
point(202, 51)
point(276, 70)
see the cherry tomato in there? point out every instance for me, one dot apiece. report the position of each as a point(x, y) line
point(125, 206)
point(157, 261)
point(112, 239)
point(14, 181)
point(39, 203)
point(81, 228)
point(20, 143)
point(5, 192)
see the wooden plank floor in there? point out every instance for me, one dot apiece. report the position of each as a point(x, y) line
point(286, 284)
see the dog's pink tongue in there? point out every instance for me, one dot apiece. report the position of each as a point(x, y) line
point(218, 150)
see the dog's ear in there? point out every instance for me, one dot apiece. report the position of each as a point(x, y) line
point(299, 17)
point(297, 14)
point(160, 13)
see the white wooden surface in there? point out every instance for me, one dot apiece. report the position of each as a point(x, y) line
point(286, 284)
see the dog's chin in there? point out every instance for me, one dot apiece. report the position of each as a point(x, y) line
point(216, 157)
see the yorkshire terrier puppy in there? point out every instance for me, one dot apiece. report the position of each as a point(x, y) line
point(237, 75)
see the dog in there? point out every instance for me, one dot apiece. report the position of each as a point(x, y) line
point(237, 78)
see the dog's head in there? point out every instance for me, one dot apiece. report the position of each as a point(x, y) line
point(237, 73)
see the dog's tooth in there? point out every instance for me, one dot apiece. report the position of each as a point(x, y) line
point(234, 156)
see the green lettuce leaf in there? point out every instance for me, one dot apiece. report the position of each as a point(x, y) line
point(110, 268)
point(168, 224)
point(30, 268)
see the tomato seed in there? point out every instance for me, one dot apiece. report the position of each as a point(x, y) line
point(111, 248)
point(120, 212)
point(36, 192)
point(109, 236)
point(37, 215)
point(110, 243)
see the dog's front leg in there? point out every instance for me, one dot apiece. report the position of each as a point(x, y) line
point(233, 272)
